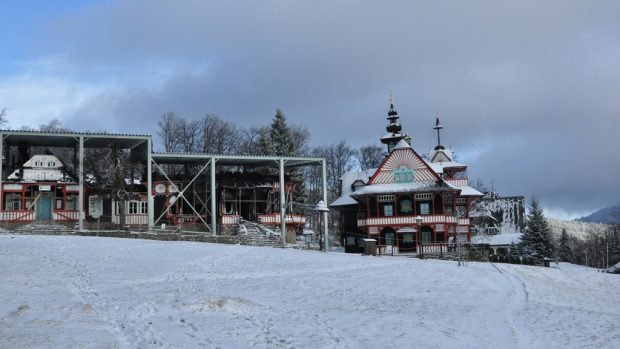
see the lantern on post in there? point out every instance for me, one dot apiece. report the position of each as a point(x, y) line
point(322, 208)
point(418, 220)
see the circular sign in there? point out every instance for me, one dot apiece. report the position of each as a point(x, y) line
point(160, 188)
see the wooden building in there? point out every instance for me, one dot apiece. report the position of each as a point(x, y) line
point(40, 190)
point(408, 202)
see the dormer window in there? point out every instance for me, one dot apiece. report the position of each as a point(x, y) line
point(357, 185)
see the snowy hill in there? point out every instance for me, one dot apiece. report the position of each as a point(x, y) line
point(75, 292)
point(575, 228)
point(607, 215)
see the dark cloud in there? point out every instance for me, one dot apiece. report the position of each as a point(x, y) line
point(528, 91)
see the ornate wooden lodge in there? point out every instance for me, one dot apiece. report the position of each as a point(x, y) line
point(408, 203)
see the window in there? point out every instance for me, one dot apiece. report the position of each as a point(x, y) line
point(72, 202)
point(425, 208)
point(59, 204)
point(427, 236)
point(408, 238)
point(403, 175)
point(13, 201)
point(389, 239)
point(406, 206)
point(351, 241)
point(133, 207)
point(388, 210)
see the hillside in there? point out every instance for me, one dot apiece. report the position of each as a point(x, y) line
point(74, 292)
point(607, 215)
point(575, 228)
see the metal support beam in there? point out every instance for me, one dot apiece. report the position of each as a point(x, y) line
point(81, 182)
point(213, 198)
point(325, 223)
point(2, 185)
point(282, 204)
point(149, 186)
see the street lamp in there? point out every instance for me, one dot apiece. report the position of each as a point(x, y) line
point(418, 220)
point(322, 208)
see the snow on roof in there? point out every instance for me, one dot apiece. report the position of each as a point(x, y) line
point(441, 155)
point(391, 135)
point(344, 200)
point(347, 180)
point(466, 190)
point(439, 166)
point(389, 188)
point(496, 240)
point(402, 144)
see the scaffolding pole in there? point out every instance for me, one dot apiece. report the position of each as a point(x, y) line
point(213, 198)
point(282, 204)
point(81, 182)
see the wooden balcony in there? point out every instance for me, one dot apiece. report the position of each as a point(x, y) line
point(410, 221)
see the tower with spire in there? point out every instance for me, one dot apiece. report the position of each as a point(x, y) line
point(394, 129)
point(442, 159)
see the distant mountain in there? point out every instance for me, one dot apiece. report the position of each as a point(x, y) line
point(607, 215)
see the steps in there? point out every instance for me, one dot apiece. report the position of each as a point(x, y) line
point(254, 234)
point(43, 228)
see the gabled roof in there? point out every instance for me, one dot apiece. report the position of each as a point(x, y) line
point(347, 180)
point(404, 156)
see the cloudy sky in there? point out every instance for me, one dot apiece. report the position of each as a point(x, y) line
point(528, 91)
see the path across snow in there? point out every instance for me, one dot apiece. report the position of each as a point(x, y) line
point(75, 292)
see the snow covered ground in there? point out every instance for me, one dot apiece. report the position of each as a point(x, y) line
point(74, 292)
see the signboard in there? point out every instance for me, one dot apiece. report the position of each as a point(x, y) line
point(95, 206)
point(45, 188)
point(16, 187)
point(72, 188)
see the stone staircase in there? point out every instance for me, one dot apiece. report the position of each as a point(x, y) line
point(254, 234)
point(43, 228)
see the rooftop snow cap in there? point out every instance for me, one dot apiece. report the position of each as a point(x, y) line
point(402, 144)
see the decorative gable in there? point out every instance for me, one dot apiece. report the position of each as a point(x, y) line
point(404, 165)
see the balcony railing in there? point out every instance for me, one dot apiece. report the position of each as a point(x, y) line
point(410, 220)
point(17, 216)
point(274, 218)
point(66, 215)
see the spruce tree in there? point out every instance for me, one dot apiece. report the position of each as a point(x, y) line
point(565, 251)
point(281, 136)
point(536, 240)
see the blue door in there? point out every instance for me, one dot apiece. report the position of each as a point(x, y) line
point(44, 208)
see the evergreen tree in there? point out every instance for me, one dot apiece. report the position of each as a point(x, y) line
point(565, 252)
point(537, 237)
point(281, 136)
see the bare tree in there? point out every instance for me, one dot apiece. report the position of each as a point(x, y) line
point(3, 119)
point(249, 141)
point(339, 159)
point(220, 137)
point(53, 125)
point(170, 127)
point(370, 156)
